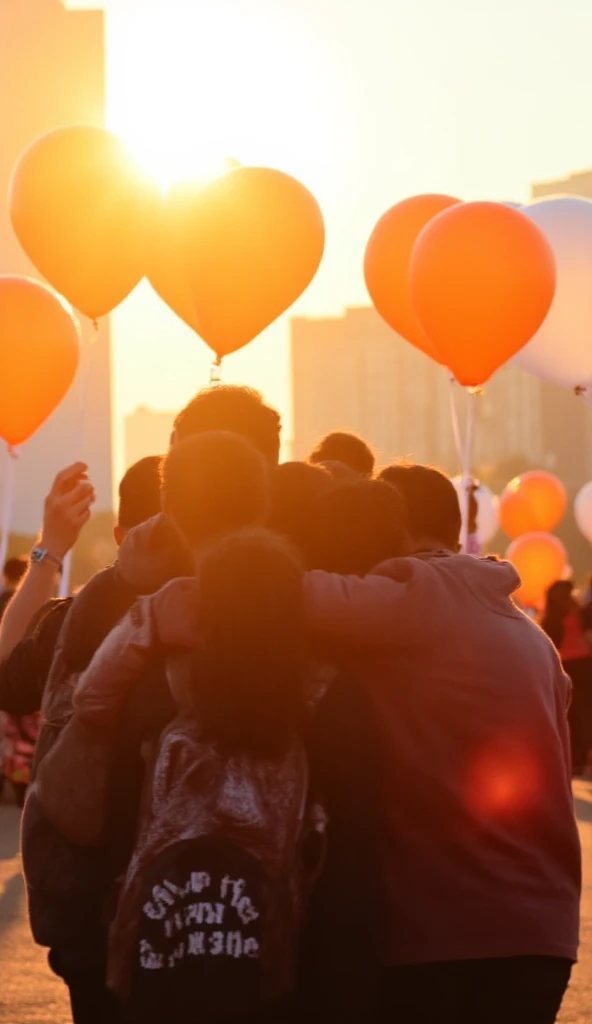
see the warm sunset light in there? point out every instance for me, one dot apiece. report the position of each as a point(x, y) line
point(185, 100)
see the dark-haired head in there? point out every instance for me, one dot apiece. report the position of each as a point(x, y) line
point(295, 487)
point(349, 449)
point(237, 410)
point(214, 484)
point(431, 505)
point(139, 495)
point(249, 678)
point(358, 525)
point(14, 570)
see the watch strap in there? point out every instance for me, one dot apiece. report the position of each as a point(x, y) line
point(43, 555)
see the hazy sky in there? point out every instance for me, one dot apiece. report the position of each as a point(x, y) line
point(367, 101)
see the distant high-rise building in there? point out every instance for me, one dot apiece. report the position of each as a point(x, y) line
point(52, 74)
point(354, 372)
point(147, 432)
point(579, 184)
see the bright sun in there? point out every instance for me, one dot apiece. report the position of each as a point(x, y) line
point(190, 88)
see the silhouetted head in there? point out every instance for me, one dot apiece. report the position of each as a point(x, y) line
point(431, 505)
point(14, 570)
point(351, 450)
point(295, 487)
point(139, 495)
point(338, 470)
point(250, 672)
point(559, 598)
point(237, 410)
point(357, 526)
point(214, 484)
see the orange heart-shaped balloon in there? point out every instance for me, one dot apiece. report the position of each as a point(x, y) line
point(82, 211)
point(482, 279)
point(254, 239)
point(166, 257)
point(39, 354)
point(386, 264)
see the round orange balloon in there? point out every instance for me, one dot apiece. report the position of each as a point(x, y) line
point(482, 281)
point(81, 209)
point(254, 239)
point(39, 353)
point(386, 264)
point(533, 502)
point(540, 560)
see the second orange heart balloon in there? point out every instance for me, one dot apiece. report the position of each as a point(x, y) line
point(251, 243)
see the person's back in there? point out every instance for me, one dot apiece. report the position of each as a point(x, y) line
point(481, 853)
point(480, 818)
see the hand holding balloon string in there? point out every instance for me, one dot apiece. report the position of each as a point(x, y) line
point(67, 509)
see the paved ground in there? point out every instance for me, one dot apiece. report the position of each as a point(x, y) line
point(29, 993)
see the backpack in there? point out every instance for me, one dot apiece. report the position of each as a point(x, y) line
point(227, 852)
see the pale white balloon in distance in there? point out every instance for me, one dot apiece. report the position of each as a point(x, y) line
point(561, 350)
point(583, 511)
point(487, 506)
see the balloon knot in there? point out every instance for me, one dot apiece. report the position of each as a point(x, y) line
point(95, 324)
point(13, 452)
point(579, 391)
point(215, 371)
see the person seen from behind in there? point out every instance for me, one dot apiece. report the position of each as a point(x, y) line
point(227, 797)
point(564, 622)
point(480, 855)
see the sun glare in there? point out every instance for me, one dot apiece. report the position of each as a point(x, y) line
point(190, 88)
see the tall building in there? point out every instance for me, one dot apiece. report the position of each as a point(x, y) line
point(353, 372)
point(147, 432)
point(52, 74)
point(579, 184)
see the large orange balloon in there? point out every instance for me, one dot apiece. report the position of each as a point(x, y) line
point(533, 502)
point(482, 282)
point(254, 240)
point(386, 264)
point(167, 271)
point(39, 353)
point(81, 209)
point(540, 560)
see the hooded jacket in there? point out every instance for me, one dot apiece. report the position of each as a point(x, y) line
point(480, 856)
point(66, 884)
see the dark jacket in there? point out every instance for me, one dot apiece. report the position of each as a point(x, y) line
point(24, 674)
point(67, 885)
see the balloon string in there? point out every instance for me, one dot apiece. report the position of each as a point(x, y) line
point(455, 422)
point(467, 479)
point(83, 392)
point(8, 500)
point(216, 370)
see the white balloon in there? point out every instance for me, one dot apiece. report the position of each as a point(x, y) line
point(561, 351)
point(583, 511)
point(487, 509)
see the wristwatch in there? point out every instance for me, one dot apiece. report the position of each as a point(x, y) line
point(42, 555)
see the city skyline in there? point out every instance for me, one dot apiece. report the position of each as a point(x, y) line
point(397, 99)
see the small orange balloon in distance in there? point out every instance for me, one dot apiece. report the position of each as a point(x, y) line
point(482, 282)
point(386, 264)
point(82, 209)
point(167, 272)
point(540, 559)
point(39, 354)
point(536, 501)
point(253, 243)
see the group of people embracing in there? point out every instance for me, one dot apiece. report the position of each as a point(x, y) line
point(299, 758)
